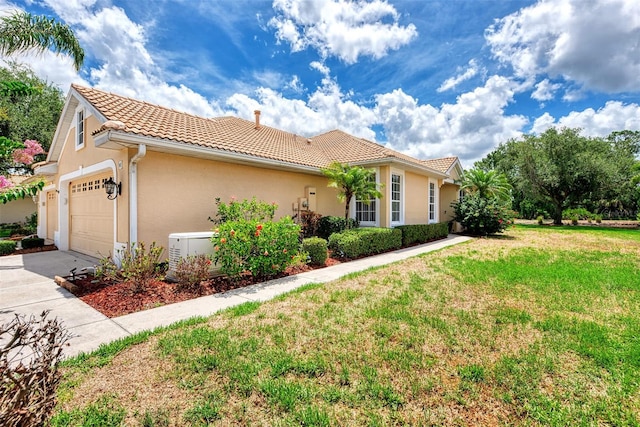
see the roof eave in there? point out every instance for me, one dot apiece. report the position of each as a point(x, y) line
point(114, 139)
point(405, 164)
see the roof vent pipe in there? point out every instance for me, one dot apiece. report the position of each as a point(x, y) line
point(257, 113)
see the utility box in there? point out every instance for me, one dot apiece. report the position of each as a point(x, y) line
point(310, 193)
point(303, 203)
point(183, 245)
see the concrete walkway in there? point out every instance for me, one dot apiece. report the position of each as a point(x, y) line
point(27, 287)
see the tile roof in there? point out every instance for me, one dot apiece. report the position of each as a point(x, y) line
point(442, 164)
point(237, 135)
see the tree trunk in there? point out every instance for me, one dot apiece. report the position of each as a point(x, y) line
point(346, 213)
point(557, 214)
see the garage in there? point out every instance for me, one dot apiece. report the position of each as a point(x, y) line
point(90, 216)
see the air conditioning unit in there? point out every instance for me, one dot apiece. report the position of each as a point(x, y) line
point(183, 245)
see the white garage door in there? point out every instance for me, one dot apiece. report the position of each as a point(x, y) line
point(91, 217)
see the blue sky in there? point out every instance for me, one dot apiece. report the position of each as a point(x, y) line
point(428, 78)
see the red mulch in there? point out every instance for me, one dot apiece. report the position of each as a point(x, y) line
point(118, 299)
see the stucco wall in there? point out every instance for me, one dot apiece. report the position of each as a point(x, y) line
point(17, 210)
point(177, 193)
point(448, 194)
point(416, 199)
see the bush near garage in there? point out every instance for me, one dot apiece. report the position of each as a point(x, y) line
point(364, 241)
point(7, 247)
point(32, 242)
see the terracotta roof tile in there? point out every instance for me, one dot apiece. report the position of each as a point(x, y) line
point(443, 164)
point(237, 135)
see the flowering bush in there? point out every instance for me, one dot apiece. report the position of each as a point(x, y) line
point(247, 210)
point(25, 155)
point(481, 216)
point(262, 248)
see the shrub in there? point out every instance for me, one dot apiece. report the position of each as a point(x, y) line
point(580, 213)
point(482, 216)
point(264, 249)
point(365, 241)
point(540, 220)
point(32, 242)
point(309, 221)
point(137, 266)
point(7, 247)
point(316, 247)
point(246, 210)
point(422, 233)
point(192, 270)
point(327, 225)
point(29, 375)
point(574, 219)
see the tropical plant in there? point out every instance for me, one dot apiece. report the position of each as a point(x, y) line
point(352, 181)
point(487, 184)
point(482, 216)
point(22, 32)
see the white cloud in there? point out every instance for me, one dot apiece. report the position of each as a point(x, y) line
point(545, 90)
point(592, 43)
point(470, 128)
point(345, 29)
point(612, 117)
point(454, 81)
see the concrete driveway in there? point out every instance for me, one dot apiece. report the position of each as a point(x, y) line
point(27, 287)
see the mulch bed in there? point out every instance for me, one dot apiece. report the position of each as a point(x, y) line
point(44, 248)
point(117, 299)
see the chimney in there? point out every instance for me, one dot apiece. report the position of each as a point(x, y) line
point(257, 113)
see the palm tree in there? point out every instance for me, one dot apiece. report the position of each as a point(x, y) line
point(352, 181)
point(487, 184)
point(22, 32)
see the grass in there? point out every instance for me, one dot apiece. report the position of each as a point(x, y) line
point(537, 327)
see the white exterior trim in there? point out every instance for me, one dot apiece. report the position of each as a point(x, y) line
point(133, 193)
point(62, 238)
point(436, 201)
point(42, 210)
point(400, 173)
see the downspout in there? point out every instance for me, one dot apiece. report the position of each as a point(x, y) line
point(133, 193)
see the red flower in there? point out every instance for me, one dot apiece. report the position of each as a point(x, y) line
point(259, 227)
point(257, 233)
point(284, 251)
point(232, 233)
point(223, 240)
point(266, 253)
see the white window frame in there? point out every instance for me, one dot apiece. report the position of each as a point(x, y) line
point(400, 220)
point(432, 202)
point(80, 134)
point(374, 202)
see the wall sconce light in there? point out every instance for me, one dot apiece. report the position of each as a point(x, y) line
point(113, 190)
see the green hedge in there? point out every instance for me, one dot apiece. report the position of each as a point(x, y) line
point(327, 225)
point(7, 247)
point(422, 233)
point(316, 247)
point(365, 241)
point(32, 242)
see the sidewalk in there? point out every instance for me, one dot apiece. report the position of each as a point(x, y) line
point(98, 329)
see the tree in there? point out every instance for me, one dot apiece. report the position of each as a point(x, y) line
point(487, 184)
point(352, 181)
point(22, 32)
point(563, 168)
point(485, 207)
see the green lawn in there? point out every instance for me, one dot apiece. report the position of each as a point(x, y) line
point(537, 327)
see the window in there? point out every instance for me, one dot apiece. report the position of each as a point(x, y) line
point(80, 129)
point(366, 213)
point(432, 202)
point(396, 198)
